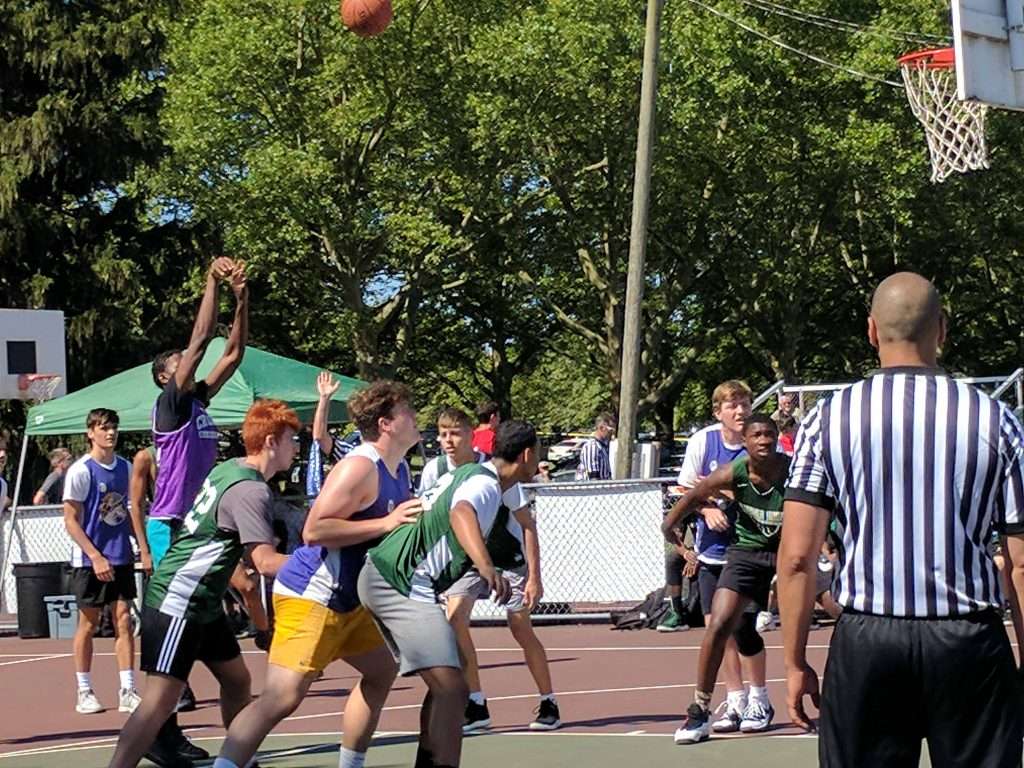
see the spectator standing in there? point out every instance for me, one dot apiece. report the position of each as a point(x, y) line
point(52, 489)
point(917, 470)
point(787, 434)
point(788, 406)
point(595, 462)
point(102, 560)
point(488, 417)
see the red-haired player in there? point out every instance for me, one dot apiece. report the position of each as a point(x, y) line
point(183, 617)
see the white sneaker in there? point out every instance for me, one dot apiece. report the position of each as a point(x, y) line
point(765, 622)
point(696, 727)
point(757, 716)
point(88, 704)
point(727, 717)
point(128, 700)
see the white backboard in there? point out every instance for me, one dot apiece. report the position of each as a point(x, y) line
point(989, 42)
point(31, 341)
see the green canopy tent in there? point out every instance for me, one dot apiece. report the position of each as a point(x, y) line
point(132, 394)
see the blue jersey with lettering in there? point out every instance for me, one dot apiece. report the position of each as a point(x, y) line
point(328, 575)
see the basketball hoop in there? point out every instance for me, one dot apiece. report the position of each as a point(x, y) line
point(955, 129)
point(38, 387)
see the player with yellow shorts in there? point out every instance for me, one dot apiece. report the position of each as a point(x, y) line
point(318, 617)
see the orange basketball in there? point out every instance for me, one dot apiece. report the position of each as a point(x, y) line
point(367, 18)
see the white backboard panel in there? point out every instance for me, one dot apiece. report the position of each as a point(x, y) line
point(989, 42)
point(31, 341)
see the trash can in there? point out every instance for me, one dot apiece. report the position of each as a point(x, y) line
point(62, 616)
point(34, 581)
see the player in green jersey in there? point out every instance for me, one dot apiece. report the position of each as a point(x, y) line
point(756, 484)
point(183, 617)
point(406, 573)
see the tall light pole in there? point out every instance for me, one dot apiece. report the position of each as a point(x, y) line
point(630, 370)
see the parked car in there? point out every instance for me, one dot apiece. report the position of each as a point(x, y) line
point(570, 448)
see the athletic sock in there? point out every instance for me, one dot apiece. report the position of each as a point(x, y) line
point(477, 697)
point(549, 697)
point(758, 693)
point(127, 679)
point(349, 758)
point(737, 699)
point(84, 681)
point(424, 759)
point(677, 604)
point(223, 762)
point(703, 698)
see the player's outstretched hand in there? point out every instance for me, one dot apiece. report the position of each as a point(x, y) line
point(326, 385)
point(237, 280)
point(801, 682)
point(406, 512)
point(500, 589)
point(221, 268)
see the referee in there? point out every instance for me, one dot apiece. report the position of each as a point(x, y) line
point(594, 456)
point(917, 471)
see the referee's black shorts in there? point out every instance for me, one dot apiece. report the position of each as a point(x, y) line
point(891, 682)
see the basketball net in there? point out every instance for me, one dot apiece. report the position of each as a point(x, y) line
point(955, 129)
point(38, 387)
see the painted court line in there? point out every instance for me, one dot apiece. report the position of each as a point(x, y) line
point(51, 657)
point(561, 694)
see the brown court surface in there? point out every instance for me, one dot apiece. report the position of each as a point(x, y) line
point(620, 694)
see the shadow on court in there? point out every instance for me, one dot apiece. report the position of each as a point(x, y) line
point(550, 750)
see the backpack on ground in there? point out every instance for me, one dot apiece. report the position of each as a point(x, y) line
point(645, 615)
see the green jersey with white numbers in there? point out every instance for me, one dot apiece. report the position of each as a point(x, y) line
point(424, 558)
point(193, 576)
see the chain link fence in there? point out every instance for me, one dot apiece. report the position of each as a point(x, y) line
point(38, 536)
point(601, 545)
point(601, 548)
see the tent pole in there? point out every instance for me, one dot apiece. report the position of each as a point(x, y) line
point(4, 564)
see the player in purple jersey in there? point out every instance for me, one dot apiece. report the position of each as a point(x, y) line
point(184, 434)
point(318, 617)
point(102, 560)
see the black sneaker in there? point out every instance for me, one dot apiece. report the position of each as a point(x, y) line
point(190, 751)
point(187, 701)
point(167, 757)
point(477, 717)
point(547, 717)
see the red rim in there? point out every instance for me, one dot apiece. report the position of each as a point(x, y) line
point(933, 58)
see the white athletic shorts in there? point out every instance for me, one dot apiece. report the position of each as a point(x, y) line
point(472, 585)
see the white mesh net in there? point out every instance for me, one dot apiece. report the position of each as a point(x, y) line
point(955, 129)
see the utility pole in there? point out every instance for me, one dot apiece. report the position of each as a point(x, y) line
point(630, 370)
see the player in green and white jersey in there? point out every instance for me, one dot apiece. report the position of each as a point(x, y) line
point(406, 573)
point(756, 483)
point(183, 618)
point(522, 570)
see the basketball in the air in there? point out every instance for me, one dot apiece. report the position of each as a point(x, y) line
point(367, 18)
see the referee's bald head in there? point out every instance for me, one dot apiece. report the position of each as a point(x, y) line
point(906, 309)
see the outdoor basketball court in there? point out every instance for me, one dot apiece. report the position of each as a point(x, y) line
point(621, 695)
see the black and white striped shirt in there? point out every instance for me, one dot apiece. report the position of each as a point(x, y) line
point(918, 470)
point(594, 461)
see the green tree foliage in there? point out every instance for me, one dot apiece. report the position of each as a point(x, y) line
point(79, 105)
